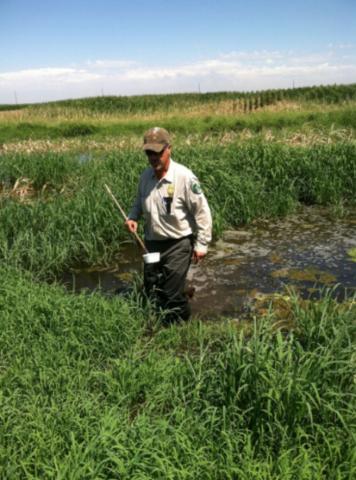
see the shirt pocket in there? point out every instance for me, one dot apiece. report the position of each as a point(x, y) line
point(175, 217)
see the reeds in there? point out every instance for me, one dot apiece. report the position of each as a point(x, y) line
point(68, 219)
point(87, 394)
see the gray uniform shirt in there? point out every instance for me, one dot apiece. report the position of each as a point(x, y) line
point(173, 207)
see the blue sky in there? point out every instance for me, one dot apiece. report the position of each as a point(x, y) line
point(67, 49)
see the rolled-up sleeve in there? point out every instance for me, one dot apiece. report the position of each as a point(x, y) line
point(200, 211)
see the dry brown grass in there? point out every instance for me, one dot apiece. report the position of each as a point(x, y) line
point(75, 144)
point(22, 190)
point(16, 115)
point(130, 141)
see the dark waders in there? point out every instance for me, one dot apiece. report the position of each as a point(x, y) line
point(164, 281)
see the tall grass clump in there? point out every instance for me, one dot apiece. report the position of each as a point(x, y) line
point(266, 180)
point(44, 170)
point(86, 393)
point(74, 224)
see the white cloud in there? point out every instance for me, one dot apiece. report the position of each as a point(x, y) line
point(345, 46)
point(236, 70)
point(49, 74)
point(120, 64)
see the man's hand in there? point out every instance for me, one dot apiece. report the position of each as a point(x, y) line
point(131, 226)
point(198, 256)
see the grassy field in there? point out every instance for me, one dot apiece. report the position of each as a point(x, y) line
point(93, 387)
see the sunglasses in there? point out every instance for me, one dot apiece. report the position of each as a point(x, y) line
point(150, 153)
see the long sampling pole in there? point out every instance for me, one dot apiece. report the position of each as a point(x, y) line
point(142, 245)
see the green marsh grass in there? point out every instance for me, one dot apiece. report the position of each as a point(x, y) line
point(86, 393)
point(73, 221)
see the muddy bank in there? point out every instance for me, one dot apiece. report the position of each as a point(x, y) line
point(306, 251)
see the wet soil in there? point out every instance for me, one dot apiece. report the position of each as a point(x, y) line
point(308, 251)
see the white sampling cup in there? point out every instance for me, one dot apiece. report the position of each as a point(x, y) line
point(152, 257)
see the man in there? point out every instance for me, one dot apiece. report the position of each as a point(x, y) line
point(177, 223)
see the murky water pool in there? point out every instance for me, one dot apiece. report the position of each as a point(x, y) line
point(309, 250)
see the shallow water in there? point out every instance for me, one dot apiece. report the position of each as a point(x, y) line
point(307, 251)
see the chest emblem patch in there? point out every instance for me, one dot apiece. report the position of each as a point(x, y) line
point(170, 190)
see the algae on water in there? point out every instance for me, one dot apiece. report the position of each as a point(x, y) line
point(352, 254)
point(307, 275)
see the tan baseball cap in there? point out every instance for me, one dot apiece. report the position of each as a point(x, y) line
point(156, 139)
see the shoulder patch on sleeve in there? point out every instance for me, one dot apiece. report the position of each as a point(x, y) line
point(196, 188)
